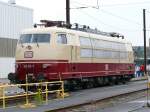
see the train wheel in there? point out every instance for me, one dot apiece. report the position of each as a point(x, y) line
point(123, 79)
point(111, 81)
point(100, 81)
point(117, 81)
point(32, 88)
point(95, 82)
point(70, 86)
point(84, 85)
point(91, 83)
point(78, 84)
point(105, 81)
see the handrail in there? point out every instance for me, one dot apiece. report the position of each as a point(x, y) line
point(27, 93)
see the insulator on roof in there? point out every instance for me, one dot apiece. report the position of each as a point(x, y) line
point(35, 25)
point(49, 23)
point(114, 34)
point(78, 27)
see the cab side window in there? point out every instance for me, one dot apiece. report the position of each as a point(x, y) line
point(62, 39)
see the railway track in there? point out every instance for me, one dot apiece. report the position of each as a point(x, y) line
point(87, 97)
point(103, 102)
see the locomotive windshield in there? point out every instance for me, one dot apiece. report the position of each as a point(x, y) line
point(34, 38)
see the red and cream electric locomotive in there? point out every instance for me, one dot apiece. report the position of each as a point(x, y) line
point(79, 56)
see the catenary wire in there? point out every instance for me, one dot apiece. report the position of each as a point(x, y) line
point(109, 13)
point(122, 18)
point(113, 5)
point(100, 21)
point(94, 18)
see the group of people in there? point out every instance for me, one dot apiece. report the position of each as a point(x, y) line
point(139, 70)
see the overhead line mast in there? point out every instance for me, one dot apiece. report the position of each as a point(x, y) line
point(68, 13)
point(144, 33)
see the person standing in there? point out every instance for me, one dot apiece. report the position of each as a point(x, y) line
point(142, 70)
point(137, 71)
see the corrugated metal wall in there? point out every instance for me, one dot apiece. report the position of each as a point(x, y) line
point(7, 47)
point(13, 19)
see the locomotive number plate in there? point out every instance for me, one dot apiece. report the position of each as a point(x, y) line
point(28, 54)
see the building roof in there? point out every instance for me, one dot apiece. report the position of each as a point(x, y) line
point(14, 5)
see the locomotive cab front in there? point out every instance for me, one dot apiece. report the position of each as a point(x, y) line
point(29, 46)
point(41, 54)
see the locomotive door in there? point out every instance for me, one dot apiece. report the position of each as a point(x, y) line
point(72, 46)
point(62, 51)
point(72, 42)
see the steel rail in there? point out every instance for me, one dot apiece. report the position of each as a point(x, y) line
point(94, 101)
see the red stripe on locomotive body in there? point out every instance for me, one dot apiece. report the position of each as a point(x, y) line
point(54, 69)
point(29, 61)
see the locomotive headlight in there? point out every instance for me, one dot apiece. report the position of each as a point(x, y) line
point(46, 65)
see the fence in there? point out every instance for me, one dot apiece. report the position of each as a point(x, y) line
point(44, 90)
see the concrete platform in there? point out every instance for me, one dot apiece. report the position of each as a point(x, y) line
point(84, 96)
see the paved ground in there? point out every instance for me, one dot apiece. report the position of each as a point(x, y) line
point(84, 96)
point(132, 106)
point(10, 90)
point(4, 80)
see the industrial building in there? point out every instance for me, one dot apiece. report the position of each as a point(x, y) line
point(13, 19)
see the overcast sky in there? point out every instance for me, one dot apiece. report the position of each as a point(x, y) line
point(122, 16)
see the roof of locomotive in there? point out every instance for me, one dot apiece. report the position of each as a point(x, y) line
point(80, 33)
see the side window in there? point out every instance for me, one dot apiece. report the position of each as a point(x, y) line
point(62, 39)
point(123, 55)
point(84, 41)
point(41, 38)
point(86, 53)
